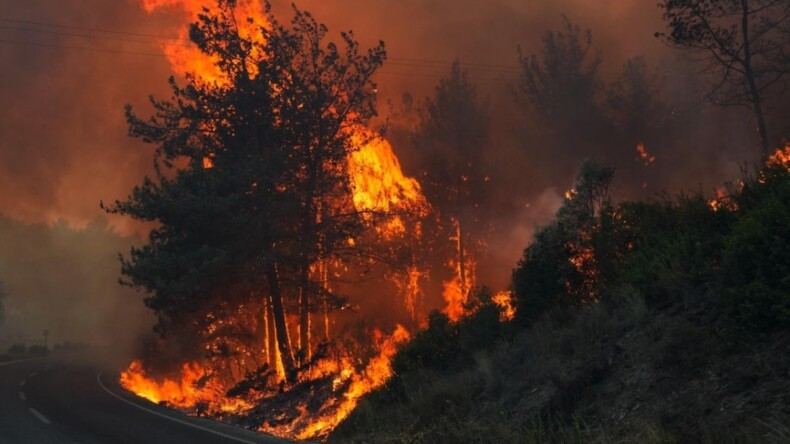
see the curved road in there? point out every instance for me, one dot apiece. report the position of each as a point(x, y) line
point(72, 399)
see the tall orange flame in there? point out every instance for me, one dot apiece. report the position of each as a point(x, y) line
point(185, 57)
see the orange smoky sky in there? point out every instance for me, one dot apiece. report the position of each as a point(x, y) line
point(70, 66)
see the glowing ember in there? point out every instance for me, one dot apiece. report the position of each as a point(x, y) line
point(644, 156)
point(719, 201)
point(583, 260)
point(780, 158)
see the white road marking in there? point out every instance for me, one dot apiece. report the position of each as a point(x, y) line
point(30, 376)
point(154, 412)
point(3, 364)
point(22, 384)
point(40, 417)
point(22, 396)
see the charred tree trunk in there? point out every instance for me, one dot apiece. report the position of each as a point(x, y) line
point(304, 314)
point(271, 335)
point(281, 326)
point(310, 220)
point(262, 333)
point(462, 259)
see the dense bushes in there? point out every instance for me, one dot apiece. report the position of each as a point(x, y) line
point(444, 344)
point(675, 247)
point(571, 260)
point(755, 271)
point(733, 253)
point(624, 312)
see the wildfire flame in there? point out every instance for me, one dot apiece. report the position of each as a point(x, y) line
point(456, 290)
point(721, 201)
point(185, 57)
point(781, 157)
point(504, 299)
point(455, 297)
point(376, 373)
point(378, 182)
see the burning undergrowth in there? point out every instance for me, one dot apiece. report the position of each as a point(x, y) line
point(291, 248)
point(324, 392)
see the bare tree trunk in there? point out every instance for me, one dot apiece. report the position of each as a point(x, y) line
point(304, 313)
point(271, 335)
point(754, 92)
point(462, 260)
point(262, 333)
point(324, 272)
point(281, 326)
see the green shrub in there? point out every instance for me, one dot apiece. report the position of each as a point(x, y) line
point(445, 344)
point(675, 247)
point(435, 347)
point(755, 268)
point(539, 279)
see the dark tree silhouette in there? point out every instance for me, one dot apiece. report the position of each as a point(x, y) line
point(570, 260)
point(744, 46)
point(561, 85)
point(635, 104)
point(251, 182)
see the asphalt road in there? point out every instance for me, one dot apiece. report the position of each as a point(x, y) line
point(75, 399)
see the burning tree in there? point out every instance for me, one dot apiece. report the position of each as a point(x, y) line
point(572, 259)
point(267, 183)
point(453, 133)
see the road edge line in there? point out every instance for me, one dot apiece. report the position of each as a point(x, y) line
point(40, 416)
point(154, 412)
point(19, 361)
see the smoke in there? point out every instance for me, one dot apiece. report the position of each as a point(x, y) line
point(64, 144)
point(63, 280)
point(63, 138)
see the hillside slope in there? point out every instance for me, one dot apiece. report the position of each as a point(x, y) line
point(671, 324)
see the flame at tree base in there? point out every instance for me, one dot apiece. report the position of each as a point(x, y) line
point(195, 392)
point(192, 388)
point(377, 372)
